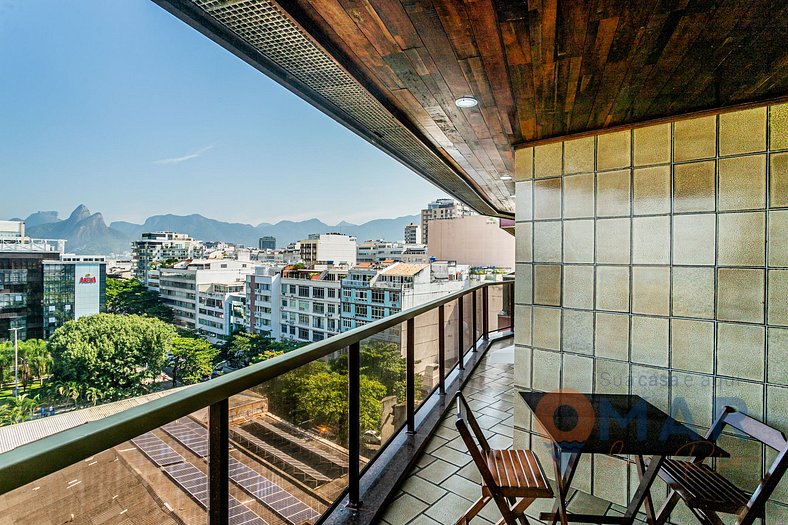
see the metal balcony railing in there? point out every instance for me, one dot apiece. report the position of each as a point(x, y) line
point(445, 333)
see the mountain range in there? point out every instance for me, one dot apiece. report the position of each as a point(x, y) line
point(88, 233)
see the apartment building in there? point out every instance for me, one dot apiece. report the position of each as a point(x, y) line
point(311, 302)
point(41, 287)
point(263, 301)
point(413, 233)
point(441, 209)
point(379, 251)
point(198, 293)
point(154, 247)
point(328, 248)
point(372, 292)
point(473, 239)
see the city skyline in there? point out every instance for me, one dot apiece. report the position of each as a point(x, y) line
point(125, 96)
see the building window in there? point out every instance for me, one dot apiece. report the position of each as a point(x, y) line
point(318, 336)
point(345, 308)
point(378, 312)
point(303, 306)
point(318, 308)
point(318, 293)
point(361, 295)
point(378, 296)
point(332, 308)
point(303, 291)
point(332, 293)
point(394, 297)
point(303, 319)
point(346, 294)
point(346, 324)
point(303, 333)
point(361, 310)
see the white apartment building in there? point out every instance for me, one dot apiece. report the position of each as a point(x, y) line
point(311, 303)
point(263, 301)
point(328, 249)
point(441, 209)
point(413, 233)
point(379, 251)
point(198, 292)
point(12, 229)
point(160, 246)
point(371, 293)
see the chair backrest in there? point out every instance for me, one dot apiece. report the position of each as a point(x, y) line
point(478, 452)
point(770, 437)
point(464, 408)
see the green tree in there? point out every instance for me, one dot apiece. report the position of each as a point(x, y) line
point(382, 362)
point(190, 359)
point(6, 361)
point(129, 296)
point(119, 355)
point(17, 409)
point(38, 358)
point(244, 348)
point(324, 398)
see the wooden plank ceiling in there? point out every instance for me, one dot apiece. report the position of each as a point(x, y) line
point(542, 69)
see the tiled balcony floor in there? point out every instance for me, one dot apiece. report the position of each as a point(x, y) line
point(445, 482)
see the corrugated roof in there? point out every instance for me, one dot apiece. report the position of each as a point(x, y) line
point(13, 436)
point(403, 269)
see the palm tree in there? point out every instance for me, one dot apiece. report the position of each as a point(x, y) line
point(38, 358)
point(70, 390)
point(18, 409)
point(93, 395)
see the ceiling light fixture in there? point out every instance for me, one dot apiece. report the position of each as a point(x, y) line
point(466, 102)
point(505, 177)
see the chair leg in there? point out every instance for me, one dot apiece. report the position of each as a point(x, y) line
point(473, 511)
point(667, 507)
point(508, 516)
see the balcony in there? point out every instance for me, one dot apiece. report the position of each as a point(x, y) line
point(239, 447)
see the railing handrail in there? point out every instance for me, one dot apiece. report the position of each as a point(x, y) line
point(37, 459)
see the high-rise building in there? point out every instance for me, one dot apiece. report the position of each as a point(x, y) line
point(154, 247)
point(328, 249)
point(310, 302)
point(12, 229)
point(474, 239)
point(441, 209)
point(267, 243)
point(41, 287)
point(379, 251)
point(198, 292)
point(263, 301)
point(412, 233)
point(371, 292)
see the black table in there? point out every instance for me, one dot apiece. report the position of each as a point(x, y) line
point(611, 424)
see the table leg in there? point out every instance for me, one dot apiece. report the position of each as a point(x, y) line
point(644, 488)
point(651, 517)
point(563, 478)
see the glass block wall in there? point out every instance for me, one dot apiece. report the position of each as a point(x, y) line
point(655, 261)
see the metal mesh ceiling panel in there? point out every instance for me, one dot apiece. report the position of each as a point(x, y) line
point(264, 26)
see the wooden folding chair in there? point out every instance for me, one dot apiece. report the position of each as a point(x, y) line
point(506, 474)
point(706, 492)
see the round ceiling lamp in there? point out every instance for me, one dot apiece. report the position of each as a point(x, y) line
point(466, 102)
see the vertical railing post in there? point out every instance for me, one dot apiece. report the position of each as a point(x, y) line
point(410, 382)
point(441, 350)
point(460, 332)
point(473, 323)
point(219, 463)
point(511, 306)
point(354, 424)
point(486, 312)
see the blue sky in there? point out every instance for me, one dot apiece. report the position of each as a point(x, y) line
point(122, 107)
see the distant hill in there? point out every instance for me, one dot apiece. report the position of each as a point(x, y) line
point(87, 233)
point(285, 232)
